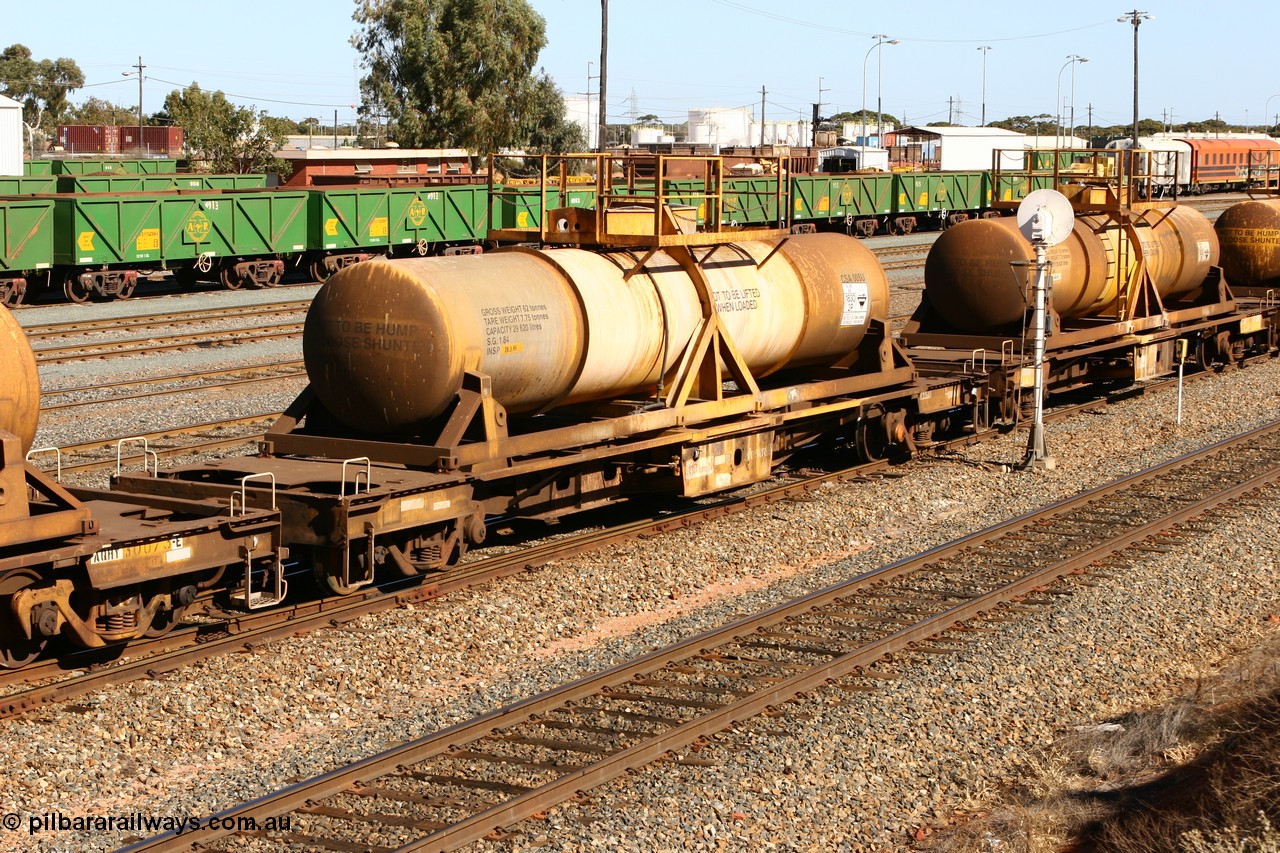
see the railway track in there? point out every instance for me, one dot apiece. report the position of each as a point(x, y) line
point(124, 451)
point(164, 321)
point(209, 380)
point(226, 632)
point(475, 779)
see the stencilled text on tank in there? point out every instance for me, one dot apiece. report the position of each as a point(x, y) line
point(738, 299)
point(381, 335)
point(1252, 236)
point(506, 325)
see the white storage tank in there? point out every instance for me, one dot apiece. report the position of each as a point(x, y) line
point(646, 135)
point(720, 126)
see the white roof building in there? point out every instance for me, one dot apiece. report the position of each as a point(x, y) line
point(962, 149)
point(11, 139)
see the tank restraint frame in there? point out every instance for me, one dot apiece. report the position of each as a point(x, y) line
point(640, 202)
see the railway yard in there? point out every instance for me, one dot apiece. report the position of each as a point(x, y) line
point(912, 732)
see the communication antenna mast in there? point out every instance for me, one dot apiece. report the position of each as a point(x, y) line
point(1045, 218)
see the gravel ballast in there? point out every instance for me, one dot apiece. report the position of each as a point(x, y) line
point(857, 771)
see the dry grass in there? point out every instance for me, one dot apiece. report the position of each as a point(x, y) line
point(1200, 774)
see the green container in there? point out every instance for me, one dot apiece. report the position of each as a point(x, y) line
point(28, 184)
point(447, 214)
point(158, 166)
point(162, 230)
point(107, 229)
point(37, 167)
point(222, 182)
point(749, 201)
point(521, 207)
point(824, 198)
point(240, 225)
point(933, 192)
point(26, 234)
point(114, 166)
point(119, 183)
point(349, 218)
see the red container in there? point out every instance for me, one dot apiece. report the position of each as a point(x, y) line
point(89, 138)
point(162, 141)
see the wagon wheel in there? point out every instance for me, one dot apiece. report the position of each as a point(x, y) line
point(318, 271)
point(15, 649)
point(74, 290)
point(10, 293)
point(871, 442)
point(230, 279)
point(127, 289)
point(164, 622)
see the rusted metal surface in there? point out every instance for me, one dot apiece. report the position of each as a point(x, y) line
point(526, 757)
point(973, 283)
point(146, 656)
point(1249, 234)
point(19, 384)
point(387, 343)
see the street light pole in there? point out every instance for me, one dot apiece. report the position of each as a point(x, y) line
point(1135, 17)
point(1057, 100)
point(1265, 111)
point(879, 86)
point(1071, 130)
point(984, 50)
point(139, 68)
point(862, 164)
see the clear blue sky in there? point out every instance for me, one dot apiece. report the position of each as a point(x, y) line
point(295, 59)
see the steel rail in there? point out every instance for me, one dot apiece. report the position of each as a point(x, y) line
point(302, 617)
point(1230, 469)
point(140, 346)
point(187, 389)
point(147, 321)
point(176, 377)
point(465, 576)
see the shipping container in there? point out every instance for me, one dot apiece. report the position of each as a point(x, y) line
point(89, 138)
point(162, 140)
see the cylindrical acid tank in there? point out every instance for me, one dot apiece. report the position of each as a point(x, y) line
point(386, 343)
point(972, 283)
point(1249, 233)
point(19, 383)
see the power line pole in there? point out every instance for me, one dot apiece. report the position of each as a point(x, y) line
point(590, 77)
point(762, 94)
point(817, 112)
point(138, 71)
point(602, 133)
